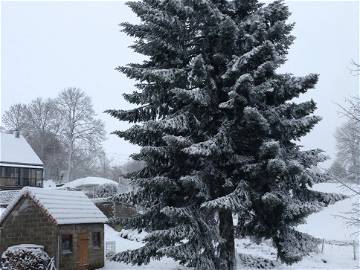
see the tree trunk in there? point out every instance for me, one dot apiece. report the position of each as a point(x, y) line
point(226, 230)
point(69, 163)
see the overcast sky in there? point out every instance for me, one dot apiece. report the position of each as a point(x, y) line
point(48, 46)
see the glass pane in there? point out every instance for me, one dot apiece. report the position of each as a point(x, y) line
point(25, 176)
point(66, 242)
point(96, 237)
point(39, 174)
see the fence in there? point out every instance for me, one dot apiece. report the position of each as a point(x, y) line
point(353, 243)
point(110, 248)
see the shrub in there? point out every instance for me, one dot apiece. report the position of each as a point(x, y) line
point(24, 258)
point(106, 190)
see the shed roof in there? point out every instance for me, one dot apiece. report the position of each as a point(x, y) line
point(16, 150)
point(63, 207)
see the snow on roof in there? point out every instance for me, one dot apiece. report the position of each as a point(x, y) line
point(49, 184)
point(27, 246)
point(16, 150)
point(89, 181)
point(63, 207)
point(6, 196)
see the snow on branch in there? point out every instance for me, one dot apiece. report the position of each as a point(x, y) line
point(238, 200)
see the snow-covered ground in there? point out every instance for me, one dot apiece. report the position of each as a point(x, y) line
point(125, 244)
point(327, 224)
point(49, 184)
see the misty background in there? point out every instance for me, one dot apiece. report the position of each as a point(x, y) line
point(49, 46)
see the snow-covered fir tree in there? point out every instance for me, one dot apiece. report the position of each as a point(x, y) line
point(218, 131)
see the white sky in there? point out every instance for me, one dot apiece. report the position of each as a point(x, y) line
point(49, 46)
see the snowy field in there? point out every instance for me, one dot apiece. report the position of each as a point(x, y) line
point(326, 224)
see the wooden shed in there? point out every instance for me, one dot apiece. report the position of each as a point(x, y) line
point(66, 223)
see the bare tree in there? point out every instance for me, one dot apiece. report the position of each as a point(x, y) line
point(348, 149)
point(348, 137)
point(63, 132)
point(39, 123)
point(15, 117)
point(352, 109)
point(80, 129)
point(348, 142)
point(42, 122)
point(356, 68)
point(104, 164)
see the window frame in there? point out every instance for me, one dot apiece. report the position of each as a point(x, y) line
point(71, 245)
point(96, 239)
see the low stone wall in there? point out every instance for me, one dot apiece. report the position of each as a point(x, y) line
point(119, 210)
point(124, 211)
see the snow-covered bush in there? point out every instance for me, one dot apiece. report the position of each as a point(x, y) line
point(106, 190)
point(24, 258)
point(249, 261)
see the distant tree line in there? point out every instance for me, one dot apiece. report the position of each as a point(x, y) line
point(64, 132)
point(346, 166)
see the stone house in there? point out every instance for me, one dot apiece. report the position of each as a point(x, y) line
point(66, 223)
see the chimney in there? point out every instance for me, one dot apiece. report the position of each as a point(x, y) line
point(17, 133)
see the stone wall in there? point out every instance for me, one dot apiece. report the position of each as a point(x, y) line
point(28, 224)
point(124, 211)
point(118, 210)
point(96, 255)
point(107, 208)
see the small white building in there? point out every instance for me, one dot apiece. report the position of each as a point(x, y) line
point(19, 164)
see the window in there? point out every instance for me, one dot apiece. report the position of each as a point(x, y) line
point(96, 239)
point(31, 177)
point(9, 176)
point(67, 243)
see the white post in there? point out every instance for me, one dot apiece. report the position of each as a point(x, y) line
point(322, 246)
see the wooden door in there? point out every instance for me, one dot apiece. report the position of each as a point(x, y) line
point(83, 251)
